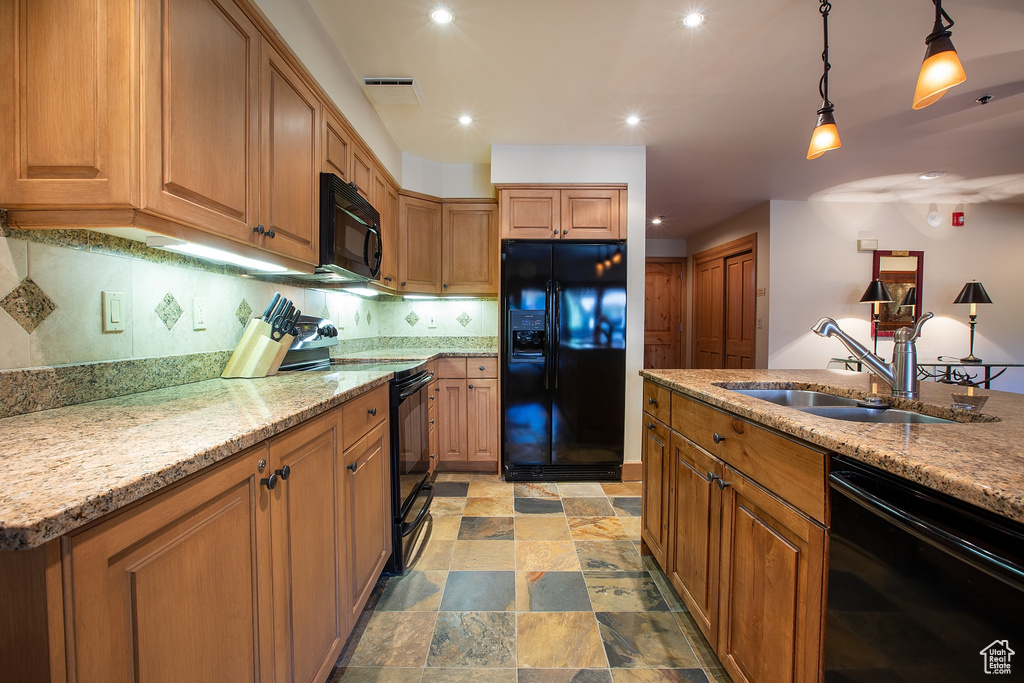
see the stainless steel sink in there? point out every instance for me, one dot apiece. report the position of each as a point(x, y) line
point(859, 414)
point(797, 398)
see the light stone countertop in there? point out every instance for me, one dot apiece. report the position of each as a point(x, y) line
point(978, 462)
point(66, 467)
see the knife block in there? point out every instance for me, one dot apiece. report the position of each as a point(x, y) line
point(256, 355)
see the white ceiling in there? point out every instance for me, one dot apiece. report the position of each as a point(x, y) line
point(727, 109)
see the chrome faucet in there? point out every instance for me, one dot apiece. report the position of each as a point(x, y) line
point(901, 374)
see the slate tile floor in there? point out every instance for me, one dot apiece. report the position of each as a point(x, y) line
point(528, 583)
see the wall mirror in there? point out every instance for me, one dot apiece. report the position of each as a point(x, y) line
point(903, 273)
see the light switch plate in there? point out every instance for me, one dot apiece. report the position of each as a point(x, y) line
point(198, 313)
point(113, 312)
point(432, 321)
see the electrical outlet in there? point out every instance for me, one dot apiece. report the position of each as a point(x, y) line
point(113, 312)
point(432, 320)
point(198, 313)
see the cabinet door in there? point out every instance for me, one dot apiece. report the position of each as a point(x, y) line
point(419, 245)
point(590, 214)
point(529, 214)
point(200, 112)
point(694, 531)
point(306, 514)
point(654, 516)
point(433, 391)
point(67, 105)
point(451, 416)
point(336, 147)
point(388, 276)
point(290, 161)
point(362, 171)
point(470, 249)
point(177, 588)
point(771, 574)
point(482, 420)
point(368, 512)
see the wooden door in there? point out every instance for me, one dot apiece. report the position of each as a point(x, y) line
point(664, 282)
point(590, 214)
point(178, 587)
point(388, 276)
point(419, 245)
point(469, 263)
point(740, 284)
point(655, 461)
point(482, 420)
point(694, 532)
point(362, 171)
point(290, 161)
point(529, 214)
point(201, 146)
point(708, 313)
point(67, 108)
point(771, 599)
point(337, 149)
point(368, 514)
point(309, 555)
point(451, 417)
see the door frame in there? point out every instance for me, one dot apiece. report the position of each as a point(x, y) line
point(722, 251)
point(683, 271)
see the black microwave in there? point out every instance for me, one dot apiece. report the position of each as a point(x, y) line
point(350, 234)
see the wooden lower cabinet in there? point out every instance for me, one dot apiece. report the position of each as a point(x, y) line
point(467, 414)
point(654, 524)
point(482, 420)
point(451, 413)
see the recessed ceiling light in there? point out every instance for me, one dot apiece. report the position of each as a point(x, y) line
point(656, 221)
point(442, 15)
point(693, 19)
point(465, 119)
point(633, 120)
point(931, 175)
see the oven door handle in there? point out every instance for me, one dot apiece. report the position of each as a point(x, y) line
point(405, 391)
point(409, 527)
point(993, 565)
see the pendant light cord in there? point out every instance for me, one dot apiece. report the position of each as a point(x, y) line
point(826, 104)
point(939, 29)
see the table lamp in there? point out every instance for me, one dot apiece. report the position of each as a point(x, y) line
point(910, 299)
point(876, 293)
point(973, 293)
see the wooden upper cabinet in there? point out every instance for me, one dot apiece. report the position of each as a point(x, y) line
point(200, 164)
point(337, 146)
point(590, 214)
point(470, 248)
point(388, 276)
point(362, 171)
point(419, 245)
point(66, 113)
point(529, 214)
point(290, 161)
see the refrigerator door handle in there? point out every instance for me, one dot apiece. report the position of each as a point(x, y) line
point(547, 354)
point(557, 329)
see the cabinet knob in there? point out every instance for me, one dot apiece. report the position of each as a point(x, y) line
point(565, 232)
point(722, 483)
point(261, 465)
point(718, 438)
point(270, 233)
point(372, 411)
point(403, 284)
point(481, 368)
point(445, 286)
point(431, 397)
point(432, 455)
point(711, 477)
point(259, 229)
point(270, 482)
point(650, 425)
point(387, 278)
point(556, 231)
point(284, 472)
point(352, 466)
point(651, 401)
point(470, 386)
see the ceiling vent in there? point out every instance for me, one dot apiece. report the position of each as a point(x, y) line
point(392, 91)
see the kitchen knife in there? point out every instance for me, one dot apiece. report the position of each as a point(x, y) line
point(281, 306)
point(270, 308)
point(292, 324)
point(280, 322)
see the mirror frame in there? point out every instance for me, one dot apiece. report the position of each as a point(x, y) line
point(893, 316)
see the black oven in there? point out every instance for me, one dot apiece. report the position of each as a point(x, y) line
point(350, 235)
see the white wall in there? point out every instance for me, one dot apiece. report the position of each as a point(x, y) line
point(446, 180)
point(298, 24)
point(666, 248)
point(583, 164)
point(817, 271)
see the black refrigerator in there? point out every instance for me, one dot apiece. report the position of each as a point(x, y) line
point(563, 350)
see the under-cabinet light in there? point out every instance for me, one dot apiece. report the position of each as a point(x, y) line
point(211, 254)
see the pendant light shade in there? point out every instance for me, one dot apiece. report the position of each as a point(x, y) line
point(941, 69)
point(876, 293)
point(825, 136)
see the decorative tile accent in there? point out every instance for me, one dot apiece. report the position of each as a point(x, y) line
point(169, 311)
point(369, 318)
point(464, 319)
point(355, 317)
point(28, 304)
point(325, 313)
point(243, 312)
point(412, 318)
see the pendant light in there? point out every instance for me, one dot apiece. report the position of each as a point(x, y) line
point(941, 69)
point(825, 135)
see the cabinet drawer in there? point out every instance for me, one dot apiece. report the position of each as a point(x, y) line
point(361, 414)
point(657, 401)
point(791, 470)
point(451, 368)
point(482, 368)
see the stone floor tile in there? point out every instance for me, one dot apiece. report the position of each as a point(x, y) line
point(557, 640)
point(597, 529)
point(551, 592)
point(538, 506)
point(473, 639)
point(565, 676)
point(608, 556)
point(483, 555)
point(451, 489)
point(445, 528)
point(577, 489)
point(413, 591)
point(453, 476)
point(394, 639)
point(624, 488)
point(659, 676)
point(547, 556)
point(706, 657)
point(624, 592)
point(486, 529)
point(488, 507)
point(596, 506)
point(627, 506)
point(440, 507)
point(536, 489)
point(468, 675)
point(645, 640)
point(434, 554)
point(672, 599)
point(632, 527)
point(490, 489)
point(542, 528)
point(479, 591)
point(375, 674)
point(492, 477)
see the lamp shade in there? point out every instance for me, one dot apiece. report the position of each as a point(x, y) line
point(940, 71)
point(973, 293)
point(876, 292)
point(825, 136)
point(910, 299)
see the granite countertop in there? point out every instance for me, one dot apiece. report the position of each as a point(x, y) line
point(980, 462)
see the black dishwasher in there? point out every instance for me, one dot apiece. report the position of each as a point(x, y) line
point(921, 586)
